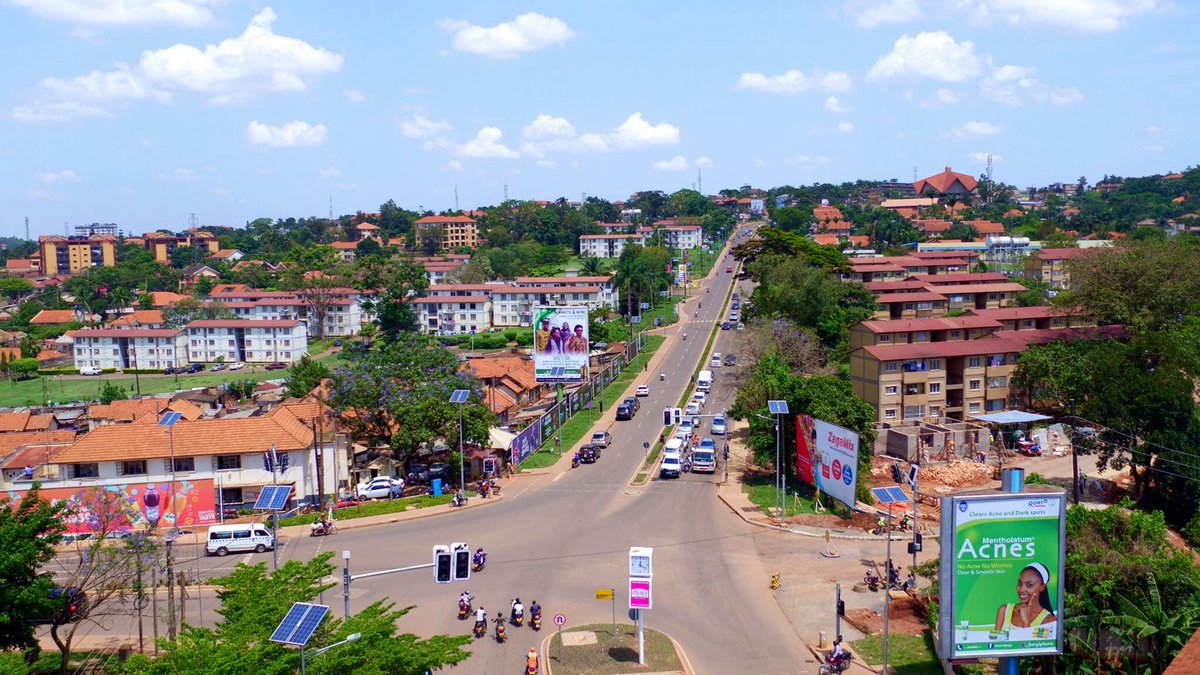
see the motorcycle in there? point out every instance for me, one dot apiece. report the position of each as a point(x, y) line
point(518, 618)
point(501, 636)
point(460, 499)
point(322, 529)
point(662, 376)
point(535, 621)
point(839, 664)
point(480, 628)
point(871, 580)
point(531, 668)
point(464, 610)
point(575, 461)
point(479, 563)
point(685, 337)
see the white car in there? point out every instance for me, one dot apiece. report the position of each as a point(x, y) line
point(700, 398)
point(381, 487)
point(718, 426)
point(693, 408)
point(684, 431)
point(643, 390)
point(237, 366)
point(90, 370)
point(602, 439)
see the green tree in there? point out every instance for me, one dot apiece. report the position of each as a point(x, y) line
point(600, 210)
point(23, 369)
point(146, 301)
point(112, 392)
point(1148, 630)
point(791, 219)
point(592, 267)
point(15, 287)
point(392, 286)
point(304, 376)
point(188, 310)
point(961, 232)
point(30, 528)
point(30, 347)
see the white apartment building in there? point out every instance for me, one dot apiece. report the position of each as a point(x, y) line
point(594, 292)
point(454, 314)
point(344, 314)
point(121, 348)
point(684, 236)
point(607, 245)
point(254, 341)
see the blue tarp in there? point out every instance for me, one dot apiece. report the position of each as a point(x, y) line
point(1010, 417)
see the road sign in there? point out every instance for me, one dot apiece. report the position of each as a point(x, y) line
point(639, 593)
point(604, 594)
point(560, 620)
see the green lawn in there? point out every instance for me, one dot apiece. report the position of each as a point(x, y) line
point(613, 655)
point(762, 492)
point(907, 654)
point(377, 507)
point(582, 423)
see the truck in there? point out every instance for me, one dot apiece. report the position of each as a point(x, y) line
point(704, 461)
point(704, 381)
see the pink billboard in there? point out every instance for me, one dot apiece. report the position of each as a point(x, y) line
point(134, 506)
point(639, 594)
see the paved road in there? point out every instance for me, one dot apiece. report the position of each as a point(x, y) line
point(558, 537)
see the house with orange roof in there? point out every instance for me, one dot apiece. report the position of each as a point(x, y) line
point(986, 228)
point(908, 207)
point(26, 456)
point(347, 250)
point(57, 317)
point(11, 422)
point(161, 299)
point(456, 231)
point(21, 267)
point(509, 383)
point(367, 231)
point(227, 255)
point(948, 183)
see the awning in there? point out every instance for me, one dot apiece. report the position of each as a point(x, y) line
point(1010, 417)
point(500, 438)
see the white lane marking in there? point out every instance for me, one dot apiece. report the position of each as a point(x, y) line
point(246, 560)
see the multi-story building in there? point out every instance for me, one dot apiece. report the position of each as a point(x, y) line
point(607, 245)
point(120, 348)
point(262, 341)
point(595, 292)
point(457, 231)
point(163, 245)
point(342, 307)
point(454, 314)
point(1049, 265)
point(684, 236)
point(69, 255)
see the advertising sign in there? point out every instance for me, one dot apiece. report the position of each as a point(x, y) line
point(560, 344)
point(526, 443)
point(133, 506)
point(827, 458)
point(1002, 577)
point(639, 594)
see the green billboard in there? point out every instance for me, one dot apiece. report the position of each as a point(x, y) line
point(1002, 574)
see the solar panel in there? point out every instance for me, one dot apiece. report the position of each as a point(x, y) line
point(889, 495)
point(301, 622)
point(777, 407)
point(169, 419)
point(460, 396)
point(273, 498)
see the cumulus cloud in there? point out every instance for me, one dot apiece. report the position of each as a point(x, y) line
point(934, 56)
point(294, 134)
point(547, 163)
point(64, 176)
point(186, 13)
point(237, 69)
point(528, 32)
point(546, 126)
point(975, 129)
point(1093, 16)
point(636, 132)
point(487, 145)
point(832, 104)
point(454, 166)
point(676, 163)
point(184, 175)
point(982, 157)
point(1013, 85)
point(420, 126)
point(872, 13)
point(1154, 130)
point(354, 95)
point(795, 82)
point(845, 128)
point(703, 162)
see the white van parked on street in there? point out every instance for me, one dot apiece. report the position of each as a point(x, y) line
point(226, 539)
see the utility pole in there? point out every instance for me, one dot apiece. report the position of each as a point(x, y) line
point(154, 602)
point(170, 538)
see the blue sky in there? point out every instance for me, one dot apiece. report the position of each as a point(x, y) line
point(143, 112)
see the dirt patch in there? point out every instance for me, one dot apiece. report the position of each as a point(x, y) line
point(906, 618)
point(860, 521)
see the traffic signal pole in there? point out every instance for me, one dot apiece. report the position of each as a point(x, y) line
point(347, 578)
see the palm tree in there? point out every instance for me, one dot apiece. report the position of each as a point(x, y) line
point(592, 267)
point(1151, 630)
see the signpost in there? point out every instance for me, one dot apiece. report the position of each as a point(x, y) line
point(641, 572)
point(560, 620)
point(610, 595)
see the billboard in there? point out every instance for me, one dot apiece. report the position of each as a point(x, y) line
point(527, 442)
point(138, 505)
point(827, 458)
point(560, 344)
point(1002, 574)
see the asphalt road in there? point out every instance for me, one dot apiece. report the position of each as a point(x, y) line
point(559, 537)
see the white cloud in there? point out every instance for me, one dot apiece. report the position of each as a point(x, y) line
point(420, 126)
point(547, 163)
point(760, 163)
point(982, 157)
point(676, 163)
point(354, 95)
point(807, 161)
point(636, 132)
point(872, 13)
point(187, 13)
point(1013, 85)
point(35, 193)
point(184, 175)
point(940, 99)
point(845, 128)
point(975, 130)
point(486, 144)
point(934, 56)
point(455, 166)
point(832, 104)
point(64, 176)
point(528, 32)
point(236, 69)
point(703, 162)
point(1095, 16)
point(330, 172)
point(1154, 130)
point(795, 82)
point(545, 126)
point(294, 134)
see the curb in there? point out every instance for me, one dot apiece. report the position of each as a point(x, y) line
point(388, 518)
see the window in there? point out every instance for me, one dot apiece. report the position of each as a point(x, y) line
point(890, 366)
point(889, 414)
point(885, 338)
point(1027, 323)
point(935, 387)
point(955, 335)
point(914, 412)
point(229, 462)
point(89, 470)
point(997, 360)
point(935, 364)
point(135, 467)
point(974, 362)
point(921, 337)
point(973, 385)
point(973, 407)
point(997, 382)
point(891, 390)
point(935, 411)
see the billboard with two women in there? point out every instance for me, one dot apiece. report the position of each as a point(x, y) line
point(1002, 574)
point(560, 344)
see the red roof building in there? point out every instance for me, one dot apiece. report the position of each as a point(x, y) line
point(946, 184)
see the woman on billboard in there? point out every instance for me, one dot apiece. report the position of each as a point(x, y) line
point(578, 344)
point(1033, 609)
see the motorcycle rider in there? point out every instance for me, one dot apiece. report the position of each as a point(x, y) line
point(838, 654)
point(575, 459)
point(321, 526)
point(481, 619)
point(871, 579)
point(531, 661)
point(518, 610)
point(480, 557)
point(464, 600)
point(499, 625)
point(460, 498)
point(535, 610)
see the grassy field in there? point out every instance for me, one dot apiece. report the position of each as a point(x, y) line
point(907, 654)
point(376, 507)
point(582, 423)
point(762, 493)
point(613, 655)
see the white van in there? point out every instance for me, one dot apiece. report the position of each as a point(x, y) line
point(671, 466)
point(704, 381)
point(226, 539)
point(90, 370)
point(674, 446)
point(715, 361)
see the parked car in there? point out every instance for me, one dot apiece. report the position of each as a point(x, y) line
point(643, 390)
point(237, 366)
point(194, 368)
point(733, 317)
point(380, 487)
point(417, 474)
point(171, 370)
point(439, 470)
point(588, 454)
point(624, 412)
point(216, 367)
point(725, 325)
point(718, 426)
point(602, 439)
point(276, 366)
point(90, 370)
point(633, 403)
point(70, 604)
point(730, 360)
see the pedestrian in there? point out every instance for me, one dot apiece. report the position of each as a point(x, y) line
point(1083, 484)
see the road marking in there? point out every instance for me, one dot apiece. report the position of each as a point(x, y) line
point(248, 557)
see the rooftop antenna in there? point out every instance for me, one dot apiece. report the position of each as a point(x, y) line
point(455, 197)
point(27, 228)
point(506, 192)
point(914, 174)
point(66, 229)
point(700, 180)
point(989, 168)
point(331, 206)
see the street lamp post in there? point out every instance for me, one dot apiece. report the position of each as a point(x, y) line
point(349, 638)
point(459, 397)
point(778, 409)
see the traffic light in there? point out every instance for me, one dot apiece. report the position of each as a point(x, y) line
point(914, 546)
point(462, 564)
point(677, 414)
point(668, 417)
point(283, 462)
point(442, 564)
point(267, 462)
point(896, 476)
point(841, 607)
